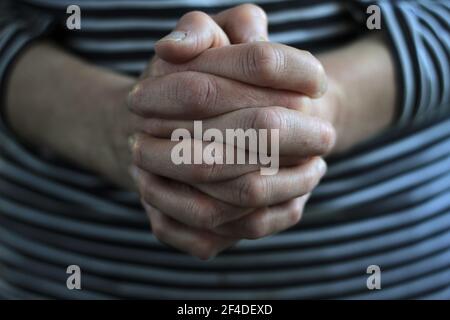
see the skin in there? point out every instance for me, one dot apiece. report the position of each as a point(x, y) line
point(105, 121)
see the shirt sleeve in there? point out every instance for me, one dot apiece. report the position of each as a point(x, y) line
point(19, 26)
point(420, 38)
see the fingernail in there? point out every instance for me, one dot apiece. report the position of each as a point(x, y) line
point(258, 39)
point(322, 166)
point(262, 38)
point(174, 36)
point(131, 94)
point(131, 142)
point(134, 172)
point(323, 87)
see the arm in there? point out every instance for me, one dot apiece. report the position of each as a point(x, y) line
point(362, 96)
point(73, 105)
point(50, 98)
point(417, 35)
point(399, 76)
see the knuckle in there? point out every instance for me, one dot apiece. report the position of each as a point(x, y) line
point(252, 191)
point(193, 209)
point(199, 95)
point(207, 98)
point(206, 220)
point(252, 10)
point(269, 118)
point(218, 215)
point(182, 89)
point(177, 88)
point(256, 229)
point(204, 215)
point(266, 62)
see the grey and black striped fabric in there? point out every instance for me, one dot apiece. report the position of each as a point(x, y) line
point(385, 203)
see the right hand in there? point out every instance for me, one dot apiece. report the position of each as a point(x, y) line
point(203, 209)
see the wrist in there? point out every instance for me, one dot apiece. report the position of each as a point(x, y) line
point(336, 102)
point(119, 125)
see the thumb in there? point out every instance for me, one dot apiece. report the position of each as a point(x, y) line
point(195, 32)
point(244, 23)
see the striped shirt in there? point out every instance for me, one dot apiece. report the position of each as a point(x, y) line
point(385, 203)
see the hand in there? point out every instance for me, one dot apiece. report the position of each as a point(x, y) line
point(203, 209)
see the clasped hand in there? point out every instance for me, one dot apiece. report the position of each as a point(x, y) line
point(223, 70)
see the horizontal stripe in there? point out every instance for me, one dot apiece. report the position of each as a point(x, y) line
point(387, 202)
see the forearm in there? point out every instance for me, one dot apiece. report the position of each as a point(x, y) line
point(364, 90)
point(60, 102)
